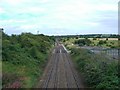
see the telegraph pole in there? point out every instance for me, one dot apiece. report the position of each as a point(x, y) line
point(37, 32)
point(1, 29)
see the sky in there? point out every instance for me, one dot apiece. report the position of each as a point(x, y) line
point(59, 17)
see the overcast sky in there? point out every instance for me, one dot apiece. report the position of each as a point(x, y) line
point(59, 17)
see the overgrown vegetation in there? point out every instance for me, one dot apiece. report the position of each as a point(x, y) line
point(99, 72)
point(23, 58)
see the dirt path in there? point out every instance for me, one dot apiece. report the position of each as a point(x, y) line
point(60, 71)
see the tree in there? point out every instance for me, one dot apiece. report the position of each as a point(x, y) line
point(101, 42)
point(83, 42)
point(94, 38)
point(106, 38)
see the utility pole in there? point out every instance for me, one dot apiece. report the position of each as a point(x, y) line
point(37, 32)
point(1, 29)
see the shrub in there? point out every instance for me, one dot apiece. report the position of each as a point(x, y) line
point(101, 42)
point(98, 71)
point(24, 56)
point(94, 38)
point(83, 42)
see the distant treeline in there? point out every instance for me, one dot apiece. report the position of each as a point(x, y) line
point(92, 36)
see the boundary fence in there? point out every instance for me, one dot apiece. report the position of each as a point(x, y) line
point(112, 53)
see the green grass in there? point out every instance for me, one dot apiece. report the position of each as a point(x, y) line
point(110, 43)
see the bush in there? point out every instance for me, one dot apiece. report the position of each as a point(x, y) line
point(101, 42)
point(24, 55)
point(98, 71)
point(83, 42)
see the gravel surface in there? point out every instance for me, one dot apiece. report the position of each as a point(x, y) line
point(60, 71)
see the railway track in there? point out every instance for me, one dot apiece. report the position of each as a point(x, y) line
point(60, 71)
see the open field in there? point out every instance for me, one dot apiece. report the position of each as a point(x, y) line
point(109, 43)
point(116, 39)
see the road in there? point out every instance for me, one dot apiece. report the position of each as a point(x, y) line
point(60, 71)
